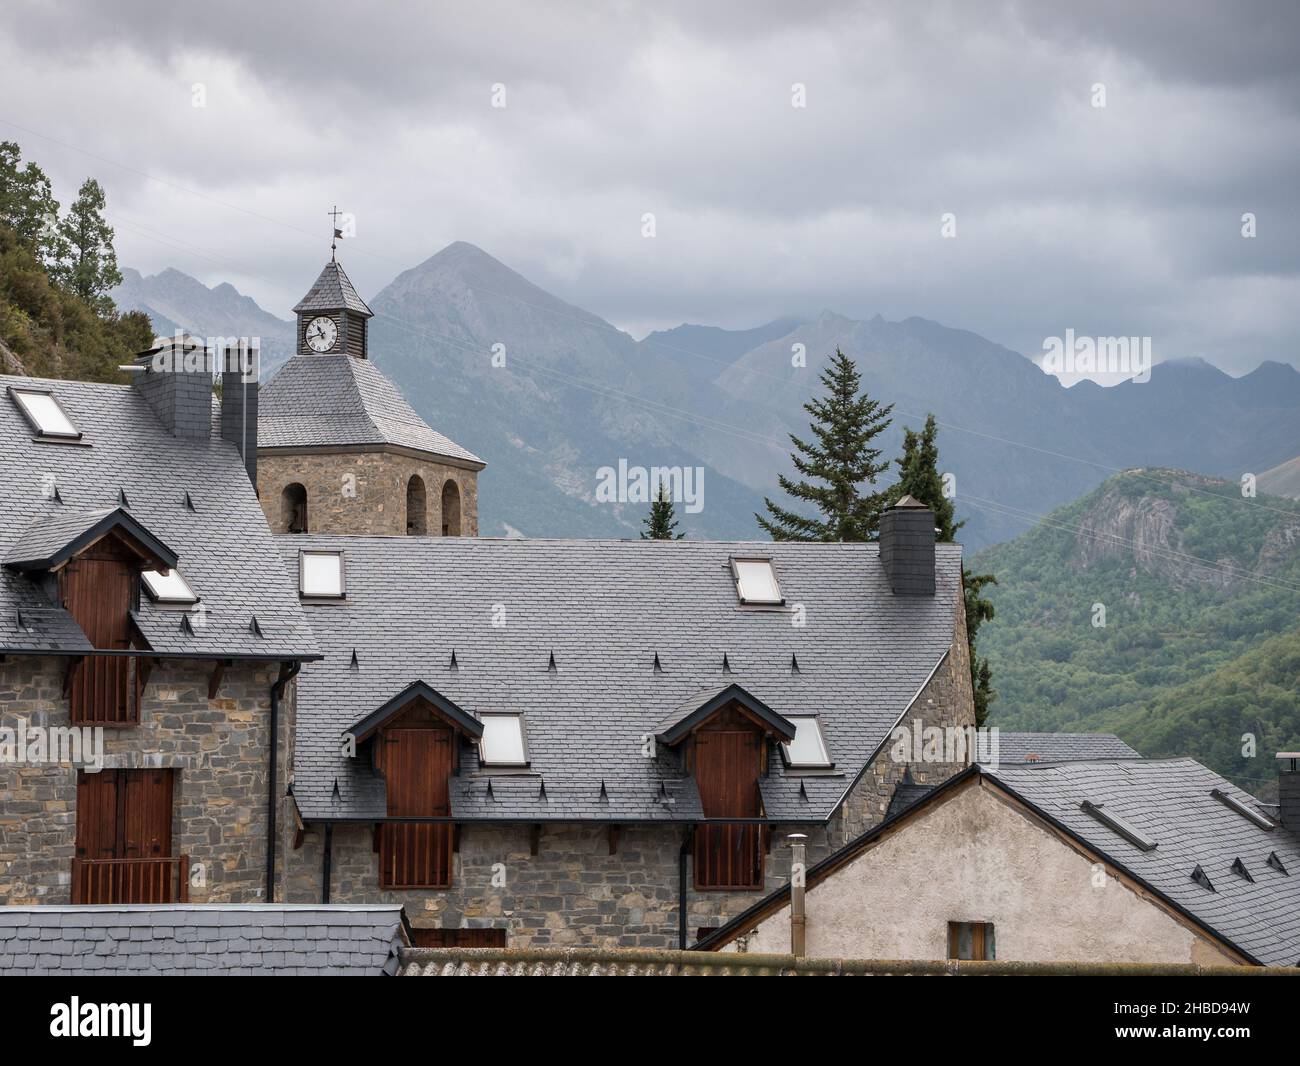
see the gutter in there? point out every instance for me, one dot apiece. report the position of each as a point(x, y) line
point(287, 674)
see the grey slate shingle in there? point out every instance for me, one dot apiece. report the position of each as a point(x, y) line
point(209, 938)
point(1016, 747)
point(606, 608)
point(1170, 801)
point(225, 550)
point(333, 291)
point(323, 400)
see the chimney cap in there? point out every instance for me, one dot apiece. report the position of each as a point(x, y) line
point(1287, 755)
point(911, 502)
point(797, 838)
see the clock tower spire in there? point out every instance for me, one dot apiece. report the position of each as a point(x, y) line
point(332, 318)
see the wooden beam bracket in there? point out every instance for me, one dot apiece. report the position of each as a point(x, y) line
point(613, 839)
point(534, 838)
point(74, 664)
point(214, 681)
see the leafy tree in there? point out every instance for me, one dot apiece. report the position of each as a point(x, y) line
point(53, 332)
point(27, 205)
point(919, 477)
point(90, 266)
point(661, 521)
point(839, 469)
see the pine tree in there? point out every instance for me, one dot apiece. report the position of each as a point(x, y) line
point(661, 521)
point(842, 460)
point(90, 266)
point(919, 477)
point(28, 207)
point(978, 611)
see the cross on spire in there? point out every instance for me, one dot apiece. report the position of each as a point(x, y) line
point(337, 232)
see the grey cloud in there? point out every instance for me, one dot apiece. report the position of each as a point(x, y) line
point(1122, 220)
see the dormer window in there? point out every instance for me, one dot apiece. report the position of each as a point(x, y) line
point(503, 742)
point(756, 581)
point(808, 749)
point(45, 414)
point(171, 590)
point(320, 575)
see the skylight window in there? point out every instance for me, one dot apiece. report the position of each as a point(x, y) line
point(808, 749)
point(320, 574)
point(172, 589)
point(503, 742)
point(1112, 821)
point(45, 414)
point(756, 581)
point(1235, 804)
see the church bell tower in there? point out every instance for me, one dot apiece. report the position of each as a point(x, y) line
point(332, 318)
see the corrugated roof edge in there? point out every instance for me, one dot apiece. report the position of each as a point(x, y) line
point(634, 962)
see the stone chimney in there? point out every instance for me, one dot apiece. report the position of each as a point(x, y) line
point(176, 380)
point(1288, 789)
point(239, 379)
point(907, 547)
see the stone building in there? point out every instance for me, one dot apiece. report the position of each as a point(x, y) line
point(571, 742)
point(340, 450)
point(600, 743)
point(147, 626)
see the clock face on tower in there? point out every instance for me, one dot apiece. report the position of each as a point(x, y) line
point(321, 334)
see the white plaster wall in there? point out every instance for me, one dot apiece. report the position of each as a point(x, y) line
point(975, 858)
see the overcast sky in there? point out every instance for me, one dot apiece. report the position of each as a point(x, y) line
point(1116, 220)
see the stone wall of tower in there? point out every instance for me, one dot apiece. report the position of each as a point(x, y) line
point(366, 492)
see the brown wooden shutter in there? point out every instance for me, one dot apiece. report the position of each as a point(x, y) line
point(727, 762)
point(97, 590)
point(417, 764)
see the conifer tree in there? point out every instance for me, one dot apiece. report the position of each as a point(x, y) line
point(837, 470)
point(90, 266)
point(919, 477)
point(661, 521)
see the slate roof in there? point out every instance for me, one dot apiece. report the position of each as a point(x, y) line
point(1169, 800)
point(1058, 747)
point(52, 539)
point(208, 939)
point(1028, 747)
point(605, 609)
point(224, 548)
point(333, 291)
point(338, 400)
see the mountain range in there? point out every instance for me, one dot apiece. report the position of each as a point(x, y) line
point(549, 393)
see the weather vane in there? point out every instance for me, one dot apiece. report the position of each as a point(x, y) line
point(338, 233)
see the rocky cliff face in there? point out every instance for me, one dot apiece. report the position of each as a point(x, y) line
point(1136, 519)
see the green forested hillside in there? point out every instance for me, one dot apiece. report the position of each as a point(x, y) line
point(56, 267)
point(1164, 607)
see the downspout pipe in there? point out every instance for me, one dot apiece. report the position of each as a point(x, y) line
point(681, 887)
point(325, 863)
point(798, 916)
point(287, 674)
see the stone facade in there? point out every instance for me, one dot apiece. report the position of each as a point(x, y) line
point(573, 892)
point(217, 748)
point(365, 491)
